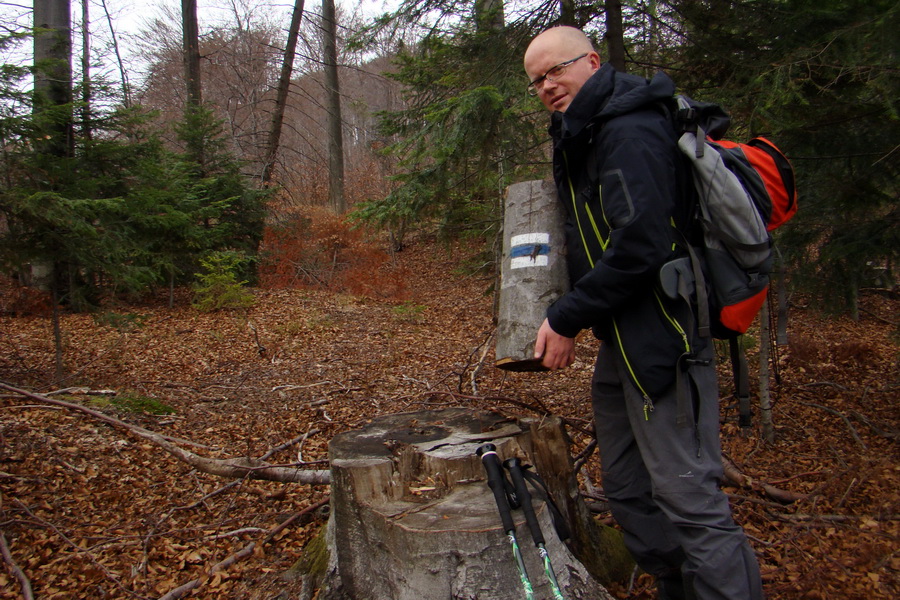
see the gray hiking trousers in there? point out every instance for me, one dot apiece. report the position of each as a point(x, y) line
point(662, 483)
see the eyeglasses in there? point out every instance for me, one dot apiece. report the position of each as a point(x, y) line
point(551, 75)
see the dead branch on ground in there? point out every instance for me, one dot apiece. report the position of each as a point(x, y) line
point(244, 552)
point(233, 468)
point(735, 476)
point(14, 568)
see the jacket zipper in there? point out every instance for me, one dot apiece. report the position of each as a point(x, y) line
point(674, 322)
point(587, 251)
point(648, 402)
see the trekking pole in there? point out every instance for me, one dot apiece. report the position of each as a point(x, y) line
point(514, 466)
point(497, 482)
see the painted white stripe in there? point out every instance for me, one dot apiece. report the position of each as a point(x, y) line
point(526, 261)
point(529, 238)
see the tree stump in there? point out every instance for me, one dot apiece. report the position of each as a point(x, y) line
point(533, 272)
point(412, 517)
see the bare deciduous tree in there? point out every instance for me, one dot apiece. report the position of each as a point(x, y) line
point(333, 104)
point(284, 82)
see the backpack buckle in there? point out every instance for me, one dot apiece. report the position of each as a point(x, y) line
point(687, 119)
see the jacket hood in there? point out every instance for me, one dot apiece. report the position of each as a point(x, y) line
point(608, 94)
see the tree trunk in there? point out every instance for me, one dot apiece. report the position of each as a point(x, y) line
point(191, 49)
point(413, 519)
point(615, 35)
point(765, 401)
point(533, 270)
point(53, 73)
point(123, 73)
point(86, 69)
point(333, 105)
point(284, 83)
point(567, 13)
point(489, 15)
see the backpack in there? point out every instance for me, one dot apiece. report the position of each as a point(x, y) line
point(743, 191)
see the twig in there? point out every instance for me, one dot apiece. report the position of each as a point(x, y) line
point(290, 386)
point(850, 487)
point(793, 477)
point(752, 500)
point(879, 317)
point(824, 383)
point(77, 549)
point(474, 378)
point(585, 454)
point(14, 568)
point(244, 552)
point(234, 533)
point(286, 445)
point(843, 418)
point(804, 518)
point(894, 436)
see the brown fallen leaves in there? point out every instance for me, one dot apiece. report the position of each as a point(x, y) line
point(89, 511)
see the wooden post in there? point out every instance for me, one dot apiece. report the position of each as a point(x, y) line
point(412, 517)
point(533, 271)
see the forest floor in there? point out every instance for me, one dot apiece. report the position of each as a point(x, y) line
point(90, 511)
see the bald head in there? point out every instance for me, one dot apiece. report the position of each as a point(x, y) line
point(551, 49)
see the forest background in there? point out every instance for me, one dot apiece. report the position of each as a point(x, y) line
point(224, 161)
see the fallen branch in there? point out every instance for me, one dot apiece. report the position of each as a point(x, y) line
point(76, 548)
point(807, 518)
point(585, 454)
point(843, 417)
point(735, 476)
point(14, 568)
point(888, 435)
point(244, 552)
point(233, 468)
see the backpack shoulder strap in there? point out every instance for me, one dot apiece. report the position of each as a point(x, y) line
point(741, 381)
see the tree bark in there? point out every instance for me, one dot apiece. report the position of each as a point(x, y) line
point(567, 14)
point(333, 105)
point(284, 83)
point(765, 399)
point(53, 73)
point(615, 35)
point(86, 70)
point(413, 519)
point(191, 49)
point(489, 15)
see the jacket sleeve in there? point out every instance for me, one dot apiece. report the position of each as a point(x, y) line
point(637, 199)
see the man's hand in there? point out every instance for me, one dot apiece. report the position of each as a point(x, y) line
point(557, 351)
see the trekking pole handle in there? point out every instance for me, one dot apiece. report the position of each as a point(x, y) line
point(514, 466)
point(494, 469)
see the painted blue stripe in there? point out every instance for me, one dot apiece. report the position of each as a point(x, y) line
point(529, 250)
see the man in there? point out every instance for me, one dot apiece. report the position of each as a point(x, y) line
point(655, 397)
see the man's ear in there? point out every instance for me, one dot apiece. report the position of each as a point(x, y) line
point(595, 60)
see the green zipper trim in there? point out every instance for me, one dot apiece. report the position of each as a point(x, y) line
point(674, 322)
point(603, 244)
point(648, 403)
point(575, 209)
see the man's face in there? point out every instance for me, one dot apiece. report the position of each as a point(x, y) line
point(557, 90)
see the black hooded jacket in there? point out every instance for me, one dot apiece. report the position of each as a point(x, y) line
point(620, 176)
